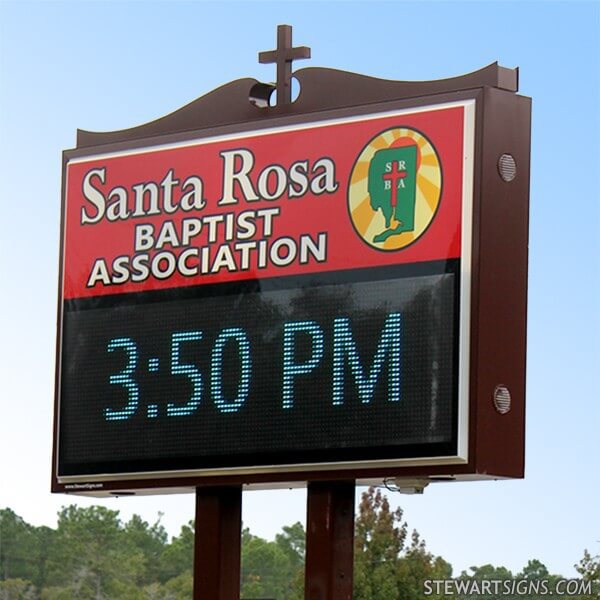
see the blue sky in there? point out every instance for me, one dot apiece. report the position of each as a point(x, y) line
point(111, 65)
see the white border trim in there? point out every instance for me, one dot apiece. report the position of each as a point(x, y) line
point(464, 314)
point(466, 257)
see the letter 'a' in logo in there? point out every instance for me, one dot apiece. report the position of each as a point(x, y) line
point(395, 189)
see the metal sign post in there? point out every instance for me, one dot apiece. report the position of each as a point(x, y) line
point(217, 544)
point(329, 541)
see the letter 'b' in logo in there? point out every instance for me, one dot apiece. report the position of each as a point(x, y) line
point(395, 189)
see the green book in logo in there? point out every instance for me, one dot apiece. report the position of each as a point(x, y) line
point(393, 189)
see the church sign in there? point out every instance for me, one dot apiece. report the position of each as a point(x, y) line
point(290, 293)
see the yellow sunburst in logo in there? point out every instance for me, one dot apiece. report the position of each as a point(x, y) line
point(395, 189)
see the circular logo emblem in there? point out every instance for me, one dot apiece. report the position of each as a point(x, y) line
point(395, 189)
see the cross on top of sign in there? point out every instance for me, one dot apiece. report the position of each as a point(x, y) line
point(283, 56)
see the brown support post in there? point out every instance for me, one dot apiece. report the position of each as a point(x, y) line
point(329, 541)
point(217, 545)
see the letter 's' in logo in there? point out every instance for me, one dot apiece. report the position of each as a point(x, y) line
point(395, 188)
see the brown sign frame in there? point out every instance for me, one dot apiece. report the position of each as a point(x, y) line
point(498, 263)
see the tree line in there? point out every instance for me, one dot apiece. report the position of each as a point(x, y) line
point(93, 555)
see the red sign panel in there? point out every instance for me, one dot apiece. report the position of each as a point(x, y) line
point(334, 195)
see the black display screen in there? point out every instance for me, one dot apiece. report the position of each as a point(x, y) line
point(333, 367)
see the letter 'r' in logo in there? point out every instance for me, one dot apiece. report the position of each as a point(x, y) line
point(395, 189)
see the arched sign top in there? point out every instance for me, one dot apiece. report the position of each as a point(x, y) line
point(231, 104)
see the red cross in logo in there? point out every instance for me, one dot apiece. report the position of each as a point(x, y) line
point(394, 177)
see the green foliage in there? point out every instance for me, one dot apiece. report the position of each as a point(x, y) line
point(273, 569)
point(17, 541)
point(90, 555)
point(293, 543)
point(150, 540)
point(55, 593)
point(543, 583)
point(488, 572)
point(93, 555)
point(534, 570)
point(589, 570)
point(589, 567)
point(418, 565)
point(385, 567)
point(17, 589)
point(179, 588)
point(178, 556)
